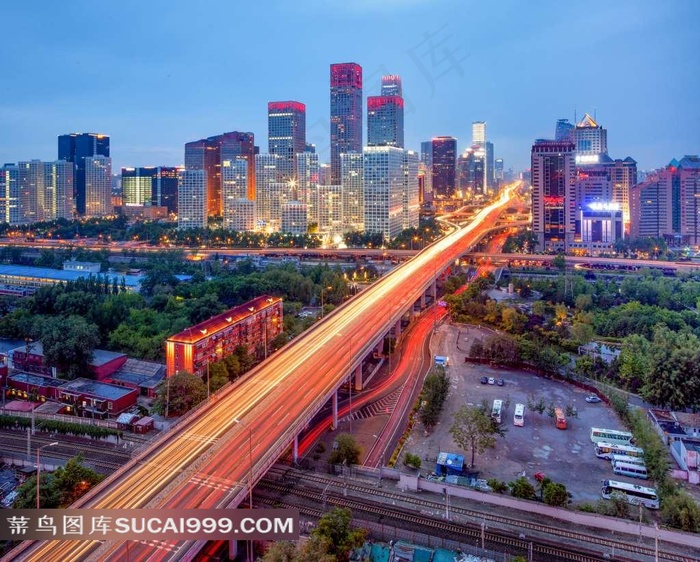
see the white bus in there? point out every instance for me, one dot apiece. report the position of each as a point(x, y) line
point(496, 410)
point(634, 493)
point(519, 415)
point(627, 459)
point(607, 450)
point(611, 436)
point(632, 470)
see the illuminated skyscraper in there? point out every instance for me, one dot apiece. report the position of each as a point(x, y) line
point(307, 182)
point(352, 191)
point(137, 186)
point(208, 155)
point(267, 200)
point(553, 197)
point(564, 131)
point(234, 177)
point(286, 121)
point(384, 185)
point(385, 121)
point(31, 191)
point(98, 186)
point(391, 85)
point(58, 178)
point(9, 194)
point(426, 157)
point(591, 140)
point(75, 147)
point(444, 163)
point(346, 114)
point(478, 133)
point(192, 199)
point(410, 200)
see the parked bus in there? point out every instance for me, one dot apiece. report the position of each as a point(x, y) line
point(611, 436)
point(607, 450)
point(519, 415)
point(626, 459)
point(632, 470)
point(496, 410)
point(633, 493)
point(560, 418)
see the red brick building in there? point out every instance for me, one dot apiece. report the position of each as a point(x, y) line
point(30, 359)
point(253, 324)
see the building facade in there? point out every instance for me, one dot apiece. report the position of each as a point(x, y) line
point(591, 140)
point(307, 183)
point(192, 199)
point(385, 121)
point(444, 166)
point(410, 200)
point(234, 179)
point(267, 189)
point(294, 218)
point(346, 114)
point(75, 148)
point(384, 184)
point(253, 324)
point(286, 125)
point(98, 186)
point(553, 200)
point(353, 197)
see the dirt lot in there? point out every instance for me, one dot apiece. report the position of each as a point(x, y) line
point(565, 456)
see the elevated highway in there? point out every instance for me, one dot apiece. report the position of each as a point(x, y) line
point(212, 456)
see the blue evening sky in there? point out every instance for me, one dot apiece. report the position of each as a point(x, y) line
point(154, 74)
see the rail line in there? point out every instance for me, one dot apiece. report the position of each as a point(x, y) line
point(426, 504)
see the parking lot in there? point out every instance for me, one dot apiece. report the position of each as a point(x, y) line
point(565, 456)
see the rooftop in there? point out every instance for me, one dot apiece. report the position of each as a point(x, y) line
point(94, 388)
point(57, 275)
point(140, 373)
point(99, 356)
point(215, 323)
point(36, 380)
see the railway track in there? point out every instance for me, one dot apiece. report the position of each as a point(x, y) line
point(422, 504)
point(66, 451)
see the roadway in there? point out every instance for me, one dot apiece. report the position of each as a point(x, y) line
point(209, 458)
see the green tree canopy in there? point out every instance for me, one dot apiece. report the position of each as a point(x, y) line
point(180, 393)
point(473, 430)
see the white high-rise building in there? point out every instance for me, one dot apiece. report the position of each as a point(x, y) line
point(411, 195)
point(98, 186)
point(591, 141)
point(478, 133)
point(192, 199)
point(266, 188)
point(58, 198)
point(330, 209)
point(239, 215)
point(32, 190)
point(352, 193)
point(9, 194)
point(307, 182)
point(383, 172)
point(234, 187)
point(294, 219)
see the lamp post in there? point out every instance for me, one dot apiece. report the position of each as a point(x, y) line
point(250, 477)
point(38, 472)
point(323, 290)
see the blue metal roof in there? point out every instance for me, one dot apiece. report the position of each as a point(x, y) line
point(131, 281)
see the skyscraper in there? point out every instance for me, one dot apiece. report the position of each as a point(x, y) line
point(237, 207)
point(478, 133)
point(307, 183)
point(444, 162)
point(31, 191)
point(591, 140)
point(385, 121)
point(384, 185)
point(346, 114)
point(98, 186)
point(391, 85)
point(553, 201)
point(410, 199)
point(426, 157)
point(208, 155)
point(75, 147)
point(351, 165)
point(267, 200)
point(58, 178)
point(192, 199)
point(564, 131)
point(150, 185)
point(286, 125)
point(9, 194)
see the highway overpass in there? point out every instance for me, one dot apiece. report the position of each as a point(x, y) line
point(212, 456)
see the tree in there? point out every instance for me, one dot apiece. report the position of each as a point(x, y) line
point(555, 494)
point(682, 512)
point(180, 393)
point(536, 405)
point(435, 390)
point(559, 262)
point(335, 527)
point(634, 361)
point(473, 430)
point(68, 345)
point(521, 488)
point(347, 451)
point(412, 460)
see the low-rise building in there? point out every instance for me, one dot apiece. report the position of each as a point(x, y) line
point(253, 324)
point(29, 357)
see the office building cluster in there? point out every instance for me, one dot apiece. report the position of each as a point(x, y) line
point(584, 201)
point(370, 187)
point(580, 195)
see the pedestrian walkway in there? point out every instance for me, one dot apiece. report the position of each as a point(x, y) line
point(382, 407)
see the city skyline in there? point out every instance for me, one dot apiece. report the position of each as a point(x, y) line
point(138, 87)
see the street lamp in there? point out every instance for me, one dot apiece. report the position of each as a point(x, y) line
point(38, 471)
point(323, 290)
point(250, 477)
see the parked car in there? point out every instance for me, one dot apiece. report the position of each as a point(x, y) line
point(484, 380)
point(593, 399)
point(492, 380)
point(500, 382)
